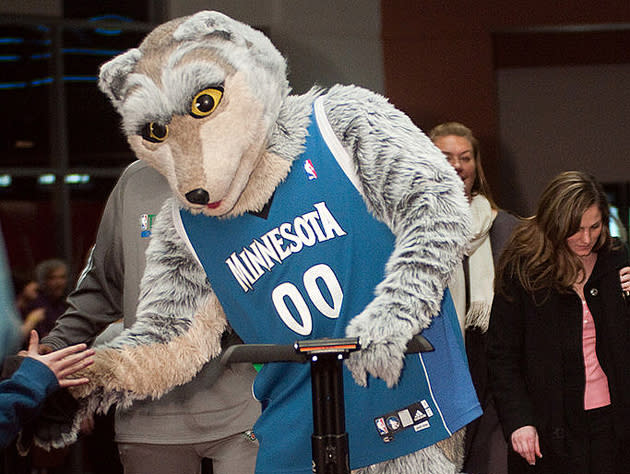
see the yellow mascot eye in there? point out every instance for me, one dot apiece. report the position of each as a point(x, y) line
point(155, 132)
point(206, 101)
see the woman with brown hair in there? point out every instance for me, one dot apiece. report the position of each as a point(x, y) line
point(559, 336)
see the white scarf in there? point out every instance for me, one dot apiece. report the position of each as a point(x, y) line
point(481, 270)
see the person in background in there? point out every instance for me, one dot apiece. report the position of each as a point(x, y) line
point(211, 416)
point(559, 336)
point(52, 279)
point(26, 291)
point(472, 288)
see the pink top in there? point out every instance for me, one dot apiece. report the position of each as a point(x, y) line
point(596, 393)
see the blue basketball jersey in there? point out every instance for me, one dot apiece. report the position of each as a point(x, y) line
point(304, 272)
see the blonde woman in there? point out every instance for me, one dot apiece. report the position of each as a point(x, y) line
point(472, 290)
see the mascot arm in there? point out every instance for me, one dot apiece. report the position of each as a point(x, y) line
point(178, 328)
point(407, 184)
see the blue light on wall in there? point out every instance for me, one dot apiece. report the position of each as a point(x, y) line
point(48, 179)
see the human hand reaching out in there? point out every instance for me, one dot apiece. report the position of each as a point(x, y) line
point(525, 442)
point(63, 363)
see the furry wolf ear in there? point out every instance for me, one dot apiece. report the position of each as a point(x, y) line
point(113, 75)
point(208, 23)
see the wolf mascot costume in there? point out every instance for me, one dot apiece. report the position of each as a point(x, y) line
point(327, 214)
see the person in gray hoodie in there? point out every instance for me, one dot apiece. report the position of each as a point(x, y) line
point(209, 417)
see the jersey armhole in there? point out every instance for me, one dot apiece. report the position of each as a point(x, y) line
point(179, 228)
point(337, 149)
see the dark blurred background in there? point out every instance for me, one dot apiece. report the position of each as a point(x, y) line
point(546, 88)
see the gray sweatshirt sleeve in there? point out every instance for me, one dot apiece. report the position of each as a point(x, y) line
point(96, 300)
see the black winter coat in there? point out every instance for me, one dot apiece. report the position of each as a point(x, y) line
point(536, 364)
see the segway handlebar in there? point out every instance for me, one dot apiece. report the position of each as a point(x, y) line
point(301, 351)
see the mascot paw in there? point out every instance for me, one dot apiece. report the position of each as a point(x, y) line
point(383, 347)
point(380, 359)
point(98, 374)
point(82, 391)
point(53, 428)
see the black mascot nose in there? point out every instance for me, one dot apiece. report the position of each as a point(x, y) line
point(198, 196)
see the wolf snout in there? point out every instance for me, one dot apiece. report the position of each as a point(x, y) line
point(198, 196)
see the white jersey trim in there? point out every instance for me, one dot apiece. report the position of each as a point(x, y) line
point(435, 402)
point(339, 152)
point(179, 228)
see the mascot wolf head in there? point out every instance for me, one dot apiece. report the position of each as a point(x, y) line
point(190, 84)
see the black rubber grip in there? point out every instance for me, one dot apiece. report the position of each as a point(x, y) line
point(419, 343)
point(262, 353)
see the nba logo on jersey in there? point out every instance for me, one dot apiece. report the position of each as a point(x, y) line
point(146, 222)
point(310, 170)
point(381, 426)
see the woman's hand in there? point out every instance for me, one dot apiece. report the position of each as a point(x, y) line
point(64, 362)
point(525, 442)
point(624, 277)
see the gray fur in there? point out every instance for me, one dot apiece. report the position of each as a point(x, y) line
point(289, 130)
point(410, 187)
point(430, 460)
point(113, 75)
point(145, 102)
point(406, 183)
point(166, 309)
point(255, 45)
